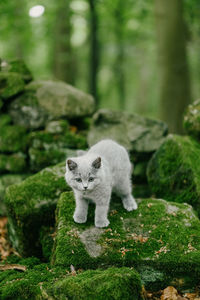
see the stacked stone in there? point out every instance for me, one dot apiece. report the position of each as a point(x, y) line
point(39, 123)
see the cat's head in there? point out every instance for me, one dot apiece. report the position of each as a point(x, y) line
point(83, 173)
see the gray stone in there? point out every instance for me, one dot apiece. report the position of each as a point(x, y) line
point(89, 238)
point(136, 133)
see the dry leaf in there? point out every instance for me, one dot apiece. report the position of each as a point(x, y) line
point(12, 267)
point(170, 293)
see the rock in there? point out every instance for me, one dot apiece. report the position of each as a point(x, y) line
point(173, 172)
point(13, 138)
point(17, 66)
point(11, 84)
point(49, 149)
point(42, 282)
point(57, 127)
point(31, 205)
point(13, 163)
point(5, 119)
point(70, 102)
point(161, 235)
point(5, 181)
point(191, 121)
point(135, 133)
point(27, 112)
point(49, 100)
point(113, 283)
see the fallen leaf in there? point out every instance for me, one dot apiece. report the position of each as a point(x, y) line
point(170, 293)
point(12, 267)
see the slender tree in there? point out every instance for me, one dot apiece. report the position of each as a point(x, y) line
point(94, 50)
point(174, 76)
point(63, 59)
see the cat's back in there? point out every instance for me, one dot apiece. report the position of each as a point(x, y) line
point(115, 154)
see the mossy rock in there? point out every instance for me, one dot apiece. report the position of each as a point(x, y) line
point(40, 281)
point(13, 163)
point(13, 138)
point(70, 102)
point(5, 181)
point(26, 111)
point(51, 148)
point(173, 172)
point(5, 119)
point(191, 121)
point(17, 66)
point(31, 205)
point(137, 134)
point(160, 235)
point(11, 84)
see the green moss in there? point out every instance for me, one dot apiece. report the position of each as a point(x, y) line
point(14, 163)
point(46, 240)
point(113, 283)
point(10, 84)
point(5, 119)
point(13, 138)
point(40, 281)
point(18, 66)
point(173, 172)
point(160, 234)
point(31, 204)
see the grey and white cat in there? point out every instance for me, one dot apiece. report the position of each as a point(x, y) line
point(94, 175)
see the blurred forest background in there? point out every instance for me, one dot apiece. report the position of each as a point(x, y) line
point(138, 56)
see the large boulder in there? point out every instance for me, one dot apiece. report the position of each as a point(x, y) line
point(135, 133)
point(161, 239)
point(31, 205)
point(191, 121)
point(173, 172)
point(49, 100)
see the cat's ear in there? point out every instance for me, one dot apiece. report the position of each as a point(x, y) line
point(97, 163)
point(71, 165)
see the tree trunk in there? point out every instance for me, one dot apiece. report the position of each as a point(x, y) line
point(94, 51)
point(174, 76)
point(63, 60)
point(120, 56)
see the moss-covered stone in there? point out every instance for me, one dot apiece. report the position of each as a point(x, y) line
point(174, 173)
point(13, 163)
point(5, 181)
point(159, 234)
point(113, 283)
point(191, 122)
point(13, 138)
point(57, 127)
point(30, 205)
point(26, 111)
point(42, 282)
point(11, 84)
point(49, 149)
point(5, 119)
point(17, 66)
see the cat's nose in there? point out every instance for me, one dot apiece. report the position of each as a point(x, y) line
point(85, 188)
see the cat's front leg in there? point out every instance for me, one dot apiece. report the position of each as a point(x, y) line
point(81, 210)
point(101, 215)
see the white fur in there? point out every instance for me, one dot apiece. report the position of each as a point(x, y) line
point(113, 175)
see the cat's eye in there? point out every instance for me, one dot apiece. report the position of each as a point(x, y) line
point(91, 179)
point(78, 179)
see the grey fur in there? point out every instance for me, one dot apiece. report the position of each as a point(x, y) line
point(104, 168)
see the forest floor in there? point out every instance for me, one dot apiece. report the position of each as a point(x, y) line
point(169, 293)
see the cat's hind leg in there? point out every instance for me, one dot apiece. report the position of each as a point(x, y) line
point(124, 190)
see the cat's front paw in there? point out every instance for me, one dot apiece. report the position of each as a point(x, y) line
point(130, 204)
point(79, 219)
point(102, 223)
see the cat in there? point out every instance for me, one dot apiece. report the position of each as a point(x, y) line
point(94, 175)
